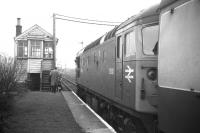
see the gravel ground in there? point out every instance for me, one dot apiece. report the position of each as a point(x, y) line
point(42, 112)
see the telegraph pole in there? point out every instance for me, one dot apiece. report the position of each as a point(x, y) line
point(54, 40)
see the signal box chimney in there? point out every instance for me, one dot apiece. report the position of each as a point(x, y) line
point(18, 27)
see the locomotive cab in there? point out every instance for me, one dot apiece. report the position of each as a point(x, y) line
point(136, 62)
point(146, 67)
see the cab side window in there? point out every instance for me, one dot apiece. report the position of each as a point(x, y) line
point(119, 47)
point(150, 40)
point(130, 47)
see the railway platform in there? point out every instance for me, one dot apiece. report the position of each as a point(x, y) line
point(86, 118)
point(46, 112)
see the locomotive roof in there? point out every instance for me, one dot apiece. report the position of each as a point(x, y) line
point(152, 11)
point(93, 44)
point(109, 35)
point(145, 13)
point(165, 3)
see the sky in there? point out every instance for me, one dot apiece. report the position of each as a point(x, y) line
point(70, 34)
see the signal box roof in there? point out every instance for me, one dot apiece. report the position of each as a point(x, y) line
point(35, 32)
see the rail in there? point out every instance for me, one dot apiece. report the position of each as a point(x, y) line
point(69, 81)
point(70, 85)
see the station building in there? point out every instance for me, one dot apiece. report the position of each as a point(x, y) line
point(33, 50)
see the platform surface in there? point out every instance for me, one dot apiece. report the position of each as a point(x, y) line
point(87, 119)
point(42, 112)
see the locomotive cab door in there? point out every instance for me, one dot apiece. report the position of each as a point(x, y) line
point(125, 65)
point(129, 63)
point(118, 69)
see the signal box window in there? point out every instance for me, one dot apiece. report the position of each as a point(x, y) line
point(48, 50)
point(119, 47)
point(22, 49)
point(36, 48)
point(130, 48)
point(150, 40)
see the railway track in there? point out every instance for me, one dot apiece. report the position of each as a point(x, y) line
point(69, 85)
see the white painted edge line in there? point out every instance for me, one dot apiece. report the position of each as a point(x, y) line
point(104, 122)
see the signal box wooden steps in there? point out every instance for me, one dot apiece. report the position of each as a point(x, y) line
point(45, 83)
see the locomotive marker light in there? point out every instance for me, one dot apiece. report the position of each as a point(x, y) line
point(129, 71)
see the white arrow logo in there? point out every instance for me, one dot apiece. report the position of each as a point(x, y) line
point(129, 71)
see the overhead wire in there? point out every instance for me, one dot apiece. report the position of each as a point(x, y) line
point(86, 19)
point(78, 21)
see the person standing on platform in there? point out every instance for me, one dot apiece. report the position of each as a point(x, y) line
point(54, 77)
point(59, 87)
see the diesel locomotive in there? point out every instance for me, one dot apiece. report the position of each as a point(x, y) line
point(117, 73)
point(143, 76)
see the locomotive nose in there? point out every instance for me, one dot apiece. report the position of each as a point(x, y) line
point(152, 74)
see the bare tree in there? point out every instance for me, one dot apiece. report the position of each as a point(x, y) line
point(10, 72)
